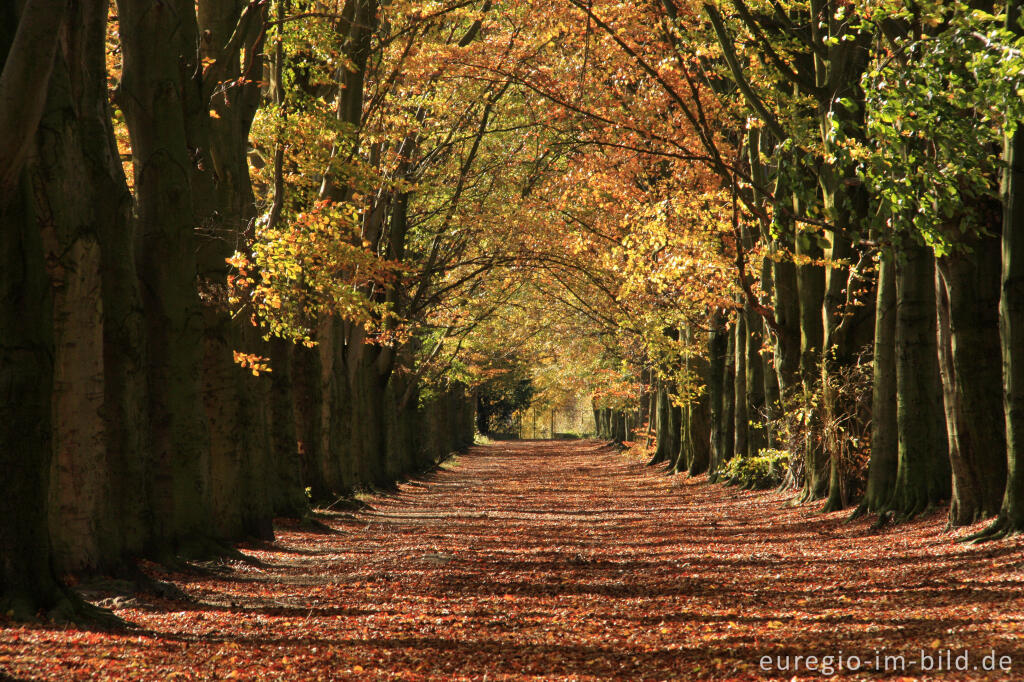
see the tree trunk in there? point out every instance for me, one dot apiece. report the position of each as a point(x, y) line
point(923, 474)
point(757, 430)
point(1011, 321)
point(717, 346)
point(664, 433)
point(741, 418)
point(287, 490)
point(968, 286)
point(157, 95)
point(786, 300)
point(309, 420)
point(884, 438)
point(811, 290)
point(27, 579)
point(726, 442)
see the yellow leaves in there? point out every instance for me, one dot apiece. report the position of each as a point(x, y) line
point(257, 364)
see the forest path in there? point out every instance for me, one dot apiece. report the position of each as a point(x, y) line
point(560, 560)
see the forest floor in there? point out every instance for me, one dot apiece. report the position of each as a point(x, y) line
point(565, 560)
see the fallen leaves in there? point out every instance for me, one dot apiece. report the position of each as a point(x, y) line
point(554, 561)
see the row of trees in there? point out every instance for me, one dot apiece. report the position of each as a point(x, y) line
point(257, 249)
point(867, 217)
point(189, 349)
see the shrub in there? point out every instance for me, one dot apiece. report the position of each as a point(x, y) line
point(766, 470)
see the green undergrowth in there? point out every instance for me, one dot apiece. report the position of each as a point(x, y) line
point(766, 470)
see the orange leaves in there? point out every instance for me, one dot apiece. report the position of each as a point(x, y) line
point(257, 364)
point(563, 561)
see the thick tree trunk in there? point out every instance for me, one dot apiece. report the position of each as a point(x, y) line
point(98, 469)
point(884, 437)
point(158, 96)
point(28, 41)
point(287, 489)
point(923, 474)
point(968, 285)
point(741, 416)
point(1011, 322)
point(309, 421)
point(726, 435)
point(757, 430)
point(786, 300)
point(664, 434)
point(811, 290)
point(836, 353)
point(27, 579)
point(716, 390)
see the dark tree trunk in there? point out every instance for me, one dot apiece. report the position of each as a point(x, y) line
point(664, 432)
point(159, 98)
point(726, 441)
point(786, 299)
point(27, 580)
point(287, 490)
point(28, 41)
point(968, 294)
point(757, 430)
point(717, 346)
point(309, 420)
point(741, 417)
point(923, 474)
point(1011, 322)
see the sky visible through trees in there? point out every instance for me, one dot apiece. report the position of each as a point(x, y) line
point(263, 258)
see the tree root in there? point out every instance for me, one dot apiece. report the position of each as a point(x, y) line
point(1000, 529)
point(59, 604)
point(832, 505)
point(884, 519)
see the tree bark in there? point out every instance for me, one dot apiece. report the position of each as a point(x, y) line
point(923, 474)
point(741, 417)
point(968, 295)
point(884, 437)
point(811, 290)
point(158, 95)
point(1011, 321)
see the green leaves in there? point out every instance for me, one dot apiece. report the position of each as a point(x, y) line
point(936, 114)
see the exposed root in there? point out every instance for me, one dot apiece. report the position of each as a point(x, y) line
point(1000, 529)
point(833, 504)
point(884, 519)
point(61, 605)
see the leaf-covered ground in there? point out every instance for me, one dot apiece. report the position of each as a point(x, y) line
point(562, 561)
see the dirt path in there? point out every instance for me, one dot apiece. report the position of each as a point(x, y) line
point(564, 561)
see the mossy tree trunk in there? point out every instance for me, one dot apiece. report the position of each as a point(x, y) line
point(968, 297)
point(884, 437)
point(922, 474)
point(1011, 321)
